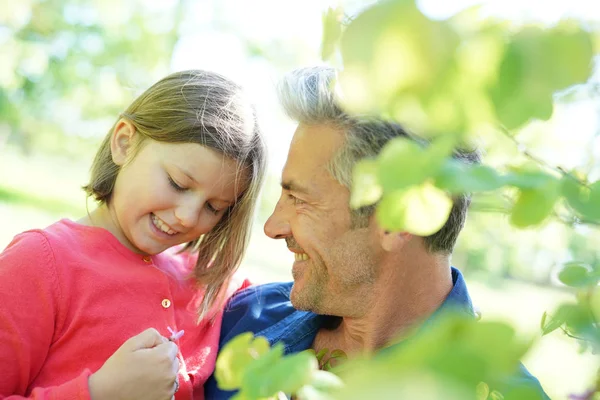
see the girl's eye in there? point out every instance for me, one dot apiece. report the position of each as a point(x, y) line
point(176, 186)
point(212, 209)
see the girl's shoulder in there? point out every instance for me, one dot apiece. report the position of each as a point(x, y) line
point(71, 232)
point(29, 260)
point(63, 237)
point(31, 244)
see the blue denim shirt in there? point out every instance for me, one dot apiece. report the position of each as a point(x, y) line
point(266, 310)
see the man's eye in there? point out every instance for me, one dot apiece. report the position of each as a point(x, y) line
point(295, 200)
point(175, 185)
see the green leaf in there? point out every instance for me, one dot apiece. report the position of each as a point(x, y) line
point(272, 373)
point(326, 382)
point(533, 206)
point(522, 392)
point(309, 392)
point(578, 275)
point(254, 383)
point(339, 354)
point(482, 391)
point(459, 178)
point(462, 365)
point(321, 354)
point(584, 200)
point(453, 351)
point(401, 164)
point(323, 386)
point(550, 324)
point(498, 342)
point(525, 179)
point(235, 357)
point(576, 318)
point(292, 372)
point(594, 303)
point(391, 50)
point(438, 152)
point(496, 395)
point(365, 187)
point(530, 71)
point(332, 31)
point(421, 210)
point(510, 76)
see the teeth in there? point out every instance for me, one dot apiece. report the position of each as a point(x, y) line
point(162, 226)
point(300, 256)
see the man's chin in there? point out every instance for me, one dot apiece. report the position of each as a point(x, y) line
point(301, 298)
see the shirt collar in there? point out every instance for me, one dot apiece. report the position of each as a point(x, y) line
point(297, 332)
point(458, 299)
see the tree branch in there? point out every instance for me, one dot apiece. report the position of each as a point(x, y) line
point(521, 148)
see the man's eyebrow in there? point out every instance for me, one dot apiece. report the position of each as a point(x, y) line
point(294, 187)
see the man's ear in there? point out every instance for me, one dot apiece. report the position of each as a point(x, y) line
point(121, 141)
point(393, 241)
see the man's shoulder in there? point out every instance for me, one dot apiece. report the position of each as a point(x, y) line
point(276, 293)
point(523, 383)
point(257, 308)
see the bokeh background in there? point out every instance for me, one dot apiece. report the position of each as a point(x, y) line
point(69, 67)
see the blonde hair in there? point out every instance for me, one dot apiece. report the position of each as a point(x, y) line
point(205, 108)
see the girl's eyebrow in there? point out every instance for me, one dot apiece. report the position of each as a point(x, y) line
point(182, 170)
point(189, 175)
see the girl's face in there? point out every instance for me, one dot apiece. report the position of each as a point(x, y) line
point(168, 193)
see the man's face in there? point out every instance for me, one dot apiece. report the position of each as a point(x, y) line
point(335, 266)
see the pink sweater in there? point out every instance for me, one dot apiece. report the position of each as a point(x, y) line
point(70, 295)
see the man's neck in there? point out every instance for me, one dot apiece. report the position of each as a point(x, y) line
point(407, 294)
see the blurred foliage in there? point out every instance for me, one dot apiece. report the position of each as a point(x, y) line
point(457, 75)
point(448, 80)
point(579, 319)
point(259, 371)
point(69, 61)
point(23, 198)
point(454, 358)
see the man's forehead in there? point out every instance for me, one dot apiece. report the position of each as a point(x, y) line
point(312, 148)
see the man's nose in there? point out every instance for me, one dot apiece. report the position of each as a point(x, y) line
point(277, 226)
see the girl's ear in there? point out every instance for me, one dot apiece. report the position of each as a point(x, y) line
point(121, 141)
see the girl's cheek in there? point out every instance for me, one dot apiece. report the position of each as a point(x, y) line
point(206, 225)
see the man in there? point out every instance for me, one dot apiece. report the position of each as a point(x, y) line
point(356, 286)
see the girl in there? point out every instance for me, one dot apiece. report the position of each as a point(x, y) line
point(182, 165)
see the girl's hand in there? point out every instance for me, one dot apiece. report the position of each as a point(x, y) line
point(145, 367)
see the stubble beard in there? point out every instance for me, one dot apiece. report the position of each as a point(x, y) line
point(310, 296)
point(351, 288)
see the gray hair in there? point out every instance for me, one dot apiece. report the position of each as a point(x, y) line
point(308, 97)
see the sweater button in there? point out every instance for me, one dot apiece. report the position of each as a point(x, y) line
point(147, 259)
point(166, 303)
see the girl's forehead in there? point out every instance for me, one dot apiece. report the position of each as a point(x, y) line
point(191, 154)
point(203, 165)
